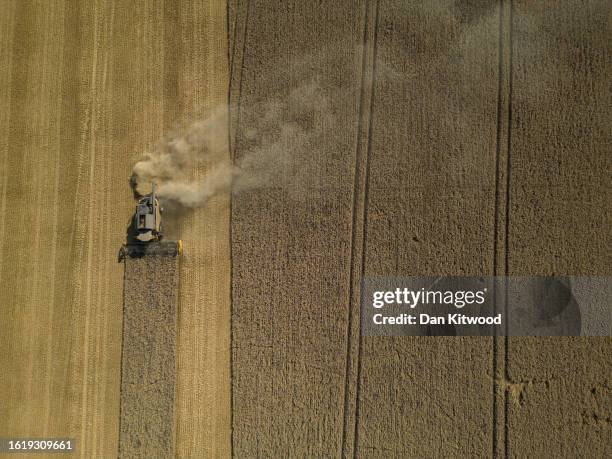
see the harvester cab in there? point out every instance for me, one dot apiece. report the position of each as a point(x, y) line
point(147, 218)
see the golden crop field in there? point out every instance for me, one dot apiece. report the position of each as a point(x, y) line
point(388, 137)
point(86, 89)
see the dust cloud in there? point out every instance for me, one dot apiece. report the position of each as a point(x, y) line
point(190, 166)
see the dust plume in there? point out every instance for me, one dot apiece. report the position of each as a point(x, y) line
point(191, 165)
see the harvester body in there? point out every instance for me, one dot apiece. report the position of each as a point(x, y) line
point(147, 218)
point(145, 232)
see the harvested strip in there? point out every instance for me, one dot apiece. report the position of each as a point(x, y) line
point(149, 357)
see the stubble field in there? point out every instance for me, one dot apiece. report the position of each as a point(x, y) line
point(86, 89)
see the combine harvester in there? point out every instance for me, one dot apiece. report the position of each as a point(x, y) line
point(146, 231)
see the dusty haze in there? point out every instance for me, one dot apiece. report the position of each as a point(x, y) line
point(289, 128)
